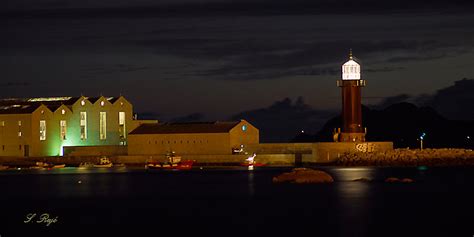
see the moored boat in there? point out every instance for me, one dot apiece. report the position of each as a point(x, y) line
point(86, 165)
point(45, 165)
point(250, 161)
point(3, 167)
point(40, 165)
point(174, 163)
point(103, 163)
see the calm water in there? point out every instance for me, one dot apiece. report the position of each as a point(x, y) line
point(237, 202)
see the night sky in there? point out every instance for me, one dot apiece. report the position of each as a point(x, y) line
point(219, 58)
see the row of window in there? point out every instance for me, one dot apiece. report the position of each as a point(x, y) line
point(19, 147)
point(180, 142)
point(351, 69)
point(83, 125)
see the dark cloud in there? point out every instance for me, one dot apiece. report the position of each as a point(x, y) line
point(194, 117)
point(140, 8)
point(211, 53)
point(277, 60)
point(386, 102)
point(454, 102)
point(416, 58)
point(382, 69)
point(117, 68)
point(14, 84)
point(149, 115)
point(282, 120)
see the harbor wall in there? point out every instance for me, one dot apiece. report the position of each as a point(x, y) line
point(95, 150)
point(327, 152)
point(280, 148)
point(267, 153)
point(268, 159)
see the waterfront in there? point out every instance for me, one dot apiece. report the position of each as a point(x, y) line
point(234, 201)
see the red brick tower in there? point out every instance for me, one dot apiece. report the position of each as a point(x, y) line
point(351, 84)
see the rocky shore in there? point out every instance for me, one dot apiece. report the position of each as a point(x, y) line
point(409, 157)
point(304, 176)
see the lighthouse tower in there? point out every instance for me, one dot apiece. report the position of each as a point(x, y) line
point(351, 84)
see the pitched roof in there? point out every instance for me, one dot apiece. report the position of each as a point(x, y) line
point(175, 128)
point(29, 105)
point(19, 109)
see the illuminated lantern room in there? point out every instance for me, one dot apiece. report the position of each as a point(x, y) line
point(351, 69)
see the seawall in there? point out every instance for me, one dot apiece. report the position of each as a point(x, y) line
point(407, 157)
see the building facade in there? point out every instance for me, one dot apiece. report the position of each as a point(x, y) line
point(43, 126)
point(202, 138)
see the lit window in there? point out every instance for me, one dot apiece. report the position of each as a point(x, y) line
point(103, 125)
point(62, 125)
point(102, 103)
point(2, 123)
point(122, 131)
point(19, 128)
point(83, 125)
point(83, 102)
point(244, 128)
point(63, 111)
point(42, 129)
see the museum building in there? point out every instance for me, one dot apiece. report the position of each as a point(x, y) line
point(196, 138)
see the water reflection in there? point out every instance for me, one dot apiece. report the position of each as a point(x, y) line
point(353, 197)
point(351, 174)
point(250, 183)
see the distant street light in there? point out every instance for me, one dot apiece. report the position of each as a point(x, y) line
point(421, 140)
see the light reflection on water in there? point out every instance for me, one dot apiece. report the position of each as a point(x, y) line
point(343, 208)
point(353, 197)
point(351, 174)
point(66, 170)
point(251, 183)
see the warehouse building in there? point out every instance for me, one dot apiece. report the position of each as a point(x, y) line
point(43, 126)
point(200, 138)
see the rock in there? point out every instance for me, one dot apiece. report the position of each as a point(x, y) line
point(397, 180)
point(392, 180)
point(304, 175)
point(362, 180)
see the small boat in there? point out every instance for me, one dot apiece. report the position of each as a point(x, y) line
point(250, 161)
point(119, 165)
point(174, 163)
point(44, 165)
point(40, 165)
point(103, 163)
point(86, 165)
point(3, 167)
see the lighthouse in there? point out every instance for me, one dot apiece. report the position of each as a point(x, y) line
point(351, 85)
